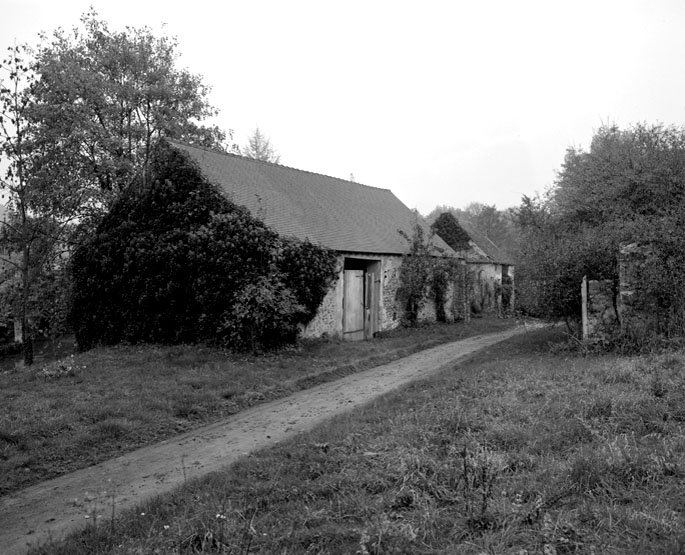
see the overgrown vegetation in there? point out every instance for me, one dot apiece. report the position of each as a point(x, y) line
point(517, 451)
point(426, 274)
point(80, 114)
point(448, 228)
point(93, 406)
point(628, 188)
point(175, 262)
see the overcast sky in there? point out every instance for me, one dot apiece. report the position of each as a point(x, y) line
point(443, 102)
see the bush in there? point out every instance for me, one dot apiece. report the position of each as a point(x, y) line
point(176, 262)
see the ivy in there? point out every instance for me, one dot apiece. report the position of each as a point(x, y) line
point(309, 272)
point(448, 228)
point(175, 261)
point(425, 273)
point(445, 272)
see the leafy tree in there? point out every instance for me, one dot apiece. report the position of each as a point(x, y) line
point(491, 222)
point(105, 97)
point(42, 209)
point(80, 117)
point(628, 187)
point(553, 260)
point(259, 147)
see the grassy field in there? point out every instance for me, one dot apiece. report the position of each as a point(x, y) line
point(94, 406)
point(516, 451)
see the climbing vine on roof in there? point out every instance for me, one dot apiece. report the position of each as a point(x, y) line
point(448, 228)
point(175, 262)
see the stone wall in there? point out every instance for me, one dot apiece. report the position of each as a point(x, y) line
point(637, 312)
point(485, 287)
point(328, 319)
point(457, 304)
point(600, 316)
point(458, 297)
point(508, 283)
point(391, 310)
point(628, 307)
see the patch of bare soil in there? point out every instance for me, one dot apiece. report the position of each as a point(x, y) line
point(55, 507)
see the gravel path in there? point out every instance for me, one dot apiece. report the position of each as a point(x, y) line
point(56, 507)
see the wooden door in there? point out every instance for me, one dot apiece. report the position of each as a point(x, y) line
point(353, 305)
point(372, 303)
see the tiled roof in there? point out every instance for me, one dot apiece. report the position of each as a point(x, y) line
point(480, 248)
point(490, 249)
point(339, 214)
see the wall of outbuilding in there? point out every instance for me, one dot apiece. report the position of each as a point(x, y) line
point(329, 318)
point(485, 285)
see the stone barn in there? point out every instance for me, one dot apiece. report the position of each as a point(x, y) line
point(364, 225)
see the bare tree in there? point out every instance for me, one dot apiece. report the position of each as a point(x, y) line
point(259, 147)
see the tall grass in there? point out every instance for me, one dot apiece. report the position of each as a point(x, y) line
point(88, 408)
point(517, 451)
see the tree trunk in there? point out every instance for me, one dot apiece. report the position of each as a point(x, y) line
point(27, 345)
point(27, 337)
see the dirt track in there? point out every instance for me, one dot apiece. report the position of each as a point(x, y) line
point(53, 508)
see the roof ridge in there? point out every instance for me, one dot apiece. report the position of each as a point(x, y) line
point(255, 160)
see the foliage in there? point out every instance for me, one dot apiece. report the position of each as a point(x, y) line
point(496, 225)
point(424, 273)
point(104, 97)
point(308, 271)
point(448, 228)
point(80, 117)
point(553, 261)
point(629, 187)
point(262, 314)
point(175, 261)
point(38, 222)
point(259, 147)
point(445, 273)
point(415, 274)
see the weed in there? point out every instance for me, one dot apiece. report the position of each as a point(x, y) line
point(620, 375)
point(66, 367)
point(480, 469)
point(589, 474)
point(600, 407)
point(659, 385)
point(10, 439)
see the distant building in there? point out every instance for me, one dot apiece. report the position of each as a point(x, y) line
point(490, 269)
